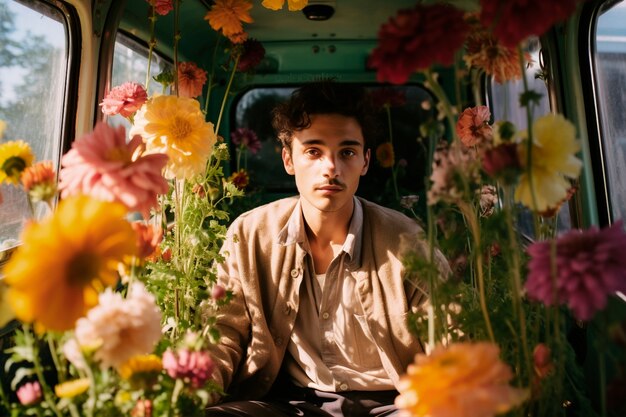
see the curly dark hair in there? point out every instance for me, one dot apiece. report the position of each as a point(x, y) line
point(325, 97)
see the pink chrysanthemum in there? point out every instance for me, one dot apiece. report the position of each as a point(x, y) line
point(252, 54)
point(515, 20)
point(246, 138)
point(590, 266)
point(191, 79)
point(473, 127)
point(101, 164)
point(193, 367)
point(417, 38)
point(124, 99)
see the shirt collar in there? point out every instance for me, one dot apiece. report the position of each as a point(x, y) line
point(294, 232)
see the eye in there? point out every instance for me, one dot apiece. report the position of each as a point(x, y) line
point(312, 152)
point(347, 153)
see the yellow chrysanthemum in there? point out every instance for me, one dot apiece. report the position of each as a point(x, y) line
point(462, 380)
point(293, 5)
point(15, 157)
point(66, 260)
point(72, 388)
point(140, 364)
point(228, 15)
point(3, 126)
point(553, 161)
point(176, 126)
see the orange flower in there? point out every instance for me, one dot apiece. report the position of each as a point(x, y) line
point(385, 155)
point(39, 181)
point(191, 79)
point(293, 5)
point(461, 380)
point(473, 127)
point(484, 51)
point(148, 238)
point(240, 179)
point(228, 15)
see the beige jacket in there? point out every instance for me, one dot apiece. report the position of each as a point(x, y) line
point(265, 272)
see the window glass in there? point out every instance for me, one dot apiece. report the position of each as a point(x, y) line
point(130, 63)
point(33, 67)
point(265, 166)
point(610, 63)
point(505, 106)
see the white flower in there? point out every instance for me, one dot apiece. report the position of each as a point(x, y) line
point(124, 327)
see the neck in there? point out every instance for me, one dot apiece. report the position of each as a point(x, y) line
point(327, 227)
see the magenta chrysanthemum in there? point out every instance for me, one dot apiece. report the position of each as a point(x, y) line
point(101, 164)
point(193, 367)
point(590, 266)
point(246, 138)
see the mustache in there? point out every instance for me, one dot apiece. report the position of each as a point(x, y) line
point(333, 182)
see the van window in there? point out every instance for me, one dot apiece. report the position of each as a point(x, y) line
point(610, 78)
point(33, 66)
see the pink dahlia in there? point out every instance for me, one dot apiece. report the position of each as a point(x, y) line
point(191, 79)
point(251, 56)
point(124, 99)
point(417, 38)
point(515, 20)
point(29, 393)
point(246, 139)
point(473, 127)
point(194, 367)
point(101, 164)
point(590, 266)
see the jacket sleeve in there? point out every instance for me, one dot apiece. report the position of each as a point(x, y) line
point(233, 320)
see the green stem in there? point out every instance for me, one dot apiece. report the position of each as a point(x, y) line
point(225, 99)
point(5, 400)
point(55, 358)
point(436, 89)
point(176, 40)
point(151, 44)
point(211, 76)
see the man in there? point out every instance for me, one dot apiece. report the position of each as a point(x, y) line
point(318, 322)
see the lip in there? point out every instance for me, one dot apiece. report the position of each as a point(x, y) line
point(330, 189)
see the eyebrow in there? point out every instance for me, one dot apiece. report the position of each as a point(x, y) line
point(345, 142)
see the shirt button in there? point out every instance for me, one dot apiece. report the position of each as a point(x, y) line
point(295, 273)
point(343, 387)
point(325, 315)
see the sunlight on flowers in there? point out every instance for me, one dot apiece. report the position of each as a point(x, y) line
point(176, 126)
point(66, 260)
point(15, 157)
point(461, 380)
point(72, 388)
point(553, 160)
point(140, 364)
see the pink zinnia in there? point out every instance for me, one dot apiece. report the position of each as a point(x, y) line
point(246, 138)
point(473, 127)
point(101, 164)
point(191, 79)
point(29, 393)
point(515, 20)
point(590, 266)
point(162, 7)
point(124, 99)
point(194, 367)
point(417, 38)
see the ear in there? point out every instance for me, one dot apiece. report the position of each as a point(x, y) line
point(366, 164)
point(288, 162)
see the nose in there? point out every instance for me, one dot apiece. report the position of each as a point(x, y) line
point(330, 167)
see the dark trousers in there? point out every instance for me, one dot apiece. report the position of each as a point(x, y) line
point(289, 400)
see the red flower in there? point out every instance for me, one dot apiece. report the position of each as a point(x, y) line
point(246, 139)
point(162, 7)
point(502, 162)
point(417, 38)
point(515, 20)
point(253, 53)
point(240, 179)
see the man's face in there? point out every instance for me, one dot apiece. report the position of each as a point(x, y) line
point(328, 160)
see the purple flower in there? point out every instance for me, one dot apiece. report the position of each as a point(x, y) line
point(246, 138)
point(590, 266)
point(252, 55)
point(192, 366)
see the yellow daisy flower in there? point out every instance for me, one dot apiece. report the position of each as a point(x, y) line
point(176, 126)
point(553, 161)
point(15, 157)
point(293, 5)
point(228, 15)
point(71, 388)
point(140, 364)
point(66, 260)
point(385, 155)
